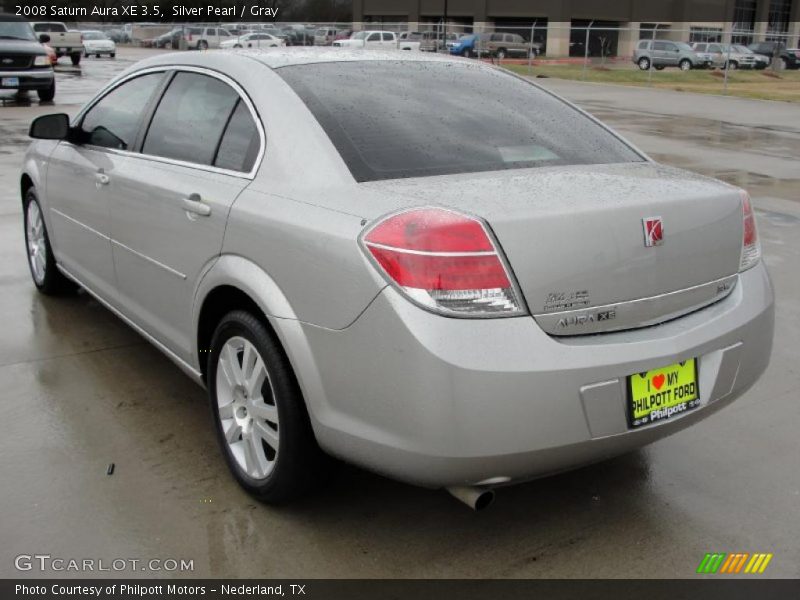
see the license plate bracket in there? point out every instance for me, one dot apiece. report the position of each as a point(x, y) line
point(663, 393)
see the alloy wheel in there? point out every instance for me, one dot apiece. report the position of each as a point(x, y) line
point(37, 247)
point(248, 414)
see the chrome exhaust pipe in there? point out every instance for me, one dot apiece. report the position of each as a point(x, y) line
point(477, 498)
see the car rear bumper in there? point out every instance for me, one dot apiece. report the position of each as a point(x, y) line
point(439, 401)
point(33, 79)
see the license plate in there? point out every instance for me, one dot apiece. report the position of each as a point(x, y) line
point(662, 393)
point(12, 82)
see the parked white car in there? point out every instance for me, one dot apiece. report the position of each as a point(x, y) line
point(98, 43)
point(369, 39)
point(253, 40)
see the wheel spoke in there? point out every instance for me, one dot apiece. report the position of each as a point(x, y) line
point(265, 411)
point(266, 433)
point(256, 378)
point(226, 410)
point(256, 461)
point(232, 356)
point(232, 431)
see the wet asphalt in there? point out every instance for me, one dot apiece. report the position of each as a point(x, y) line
point(80, 390)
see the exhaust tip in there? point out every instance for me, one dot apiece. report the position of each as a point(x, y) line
point(477, 498)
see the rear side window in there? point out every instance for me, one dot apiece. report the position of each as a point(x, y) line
point(114, 121)
point(388, 37)
point(393, 119)
point(239, 145)
point(190, 119)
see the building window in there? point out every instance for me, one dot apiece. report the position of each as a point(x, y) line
point(778, 20)
point(705, 34)
point(744, 20)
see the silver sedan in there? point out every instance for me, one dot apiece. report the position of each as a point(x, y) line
point(422, 265)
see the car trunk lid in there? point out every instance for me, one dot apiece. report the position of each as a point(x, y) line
point(575, 238)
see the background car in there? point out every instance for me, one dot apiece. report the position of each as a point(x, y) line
point(664, 53)
point(203, 38)
point(64, 41)
point(172, 38)
point(502, 45)
point(788, 58)
point(369, 39)
point(98, 43)
point(324, 36)
point(299, 35)
point(256, 39)
point(436, 41)
point(25, 63)
point(409, 40)
point(726, 55)
point(467, 45)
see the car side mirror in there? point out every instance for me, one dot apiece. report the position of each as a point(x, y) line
point(44, 38)
point(50, 127)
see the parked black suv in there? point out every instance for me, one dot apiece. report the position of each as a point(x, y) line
point(790, 58)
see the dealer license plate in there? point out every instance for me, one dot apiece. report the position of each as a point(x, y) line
point(10, 82)
point(662, 393)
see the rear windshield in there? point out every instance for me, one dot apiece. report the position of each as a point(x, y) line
point(390, 120)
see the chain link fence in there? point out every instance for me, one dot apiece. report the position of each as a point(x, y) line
point(707, 58)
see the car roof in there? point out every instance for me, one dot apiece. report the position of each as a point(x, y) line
point(275, 58)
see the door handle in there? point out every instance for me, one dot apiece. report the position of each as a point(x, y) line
point(194, 205)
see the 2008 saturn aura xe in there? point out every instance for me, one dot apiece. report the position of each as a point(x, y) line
point(357, 262)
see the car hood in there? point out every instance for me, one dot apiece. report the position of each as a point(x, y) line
point(21, 47)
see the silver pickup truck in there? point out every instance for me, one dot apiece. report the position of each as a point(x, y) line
point(63, 41)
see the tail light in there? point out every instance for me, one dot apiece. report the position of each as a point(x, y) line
point(444, 261)
point(751, 248)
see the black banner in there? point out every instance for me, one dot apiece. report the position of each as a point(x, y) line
point(709, 589)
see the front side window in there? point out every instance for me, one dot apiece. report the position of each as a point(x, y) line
point(375, 37)
point(428, 129)
point(114, 121)
point(190, 119)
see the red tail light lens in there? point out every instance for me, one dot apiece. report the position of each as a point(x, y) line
point(751, 248)
point(444, 261)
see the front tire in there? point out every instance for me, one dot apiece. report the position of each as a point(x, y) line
point(685, 65)
point(259, 412)
point(41, 261)
point(48, 94)
point(501, 54)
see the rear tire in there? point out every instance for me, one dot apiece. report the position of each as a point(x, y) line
point(644, 63)
point(48, 94)
point(76, 59)
point(112, 55)
point(202, 45)
point(501, 53)
point(685, 65)
point(41, 261)
point(259, 413)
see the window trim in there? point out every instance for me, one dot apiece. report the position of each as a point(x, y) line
point(170, 71)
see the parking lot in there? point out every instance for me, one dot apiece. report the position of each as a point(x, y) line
point(81, 390)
